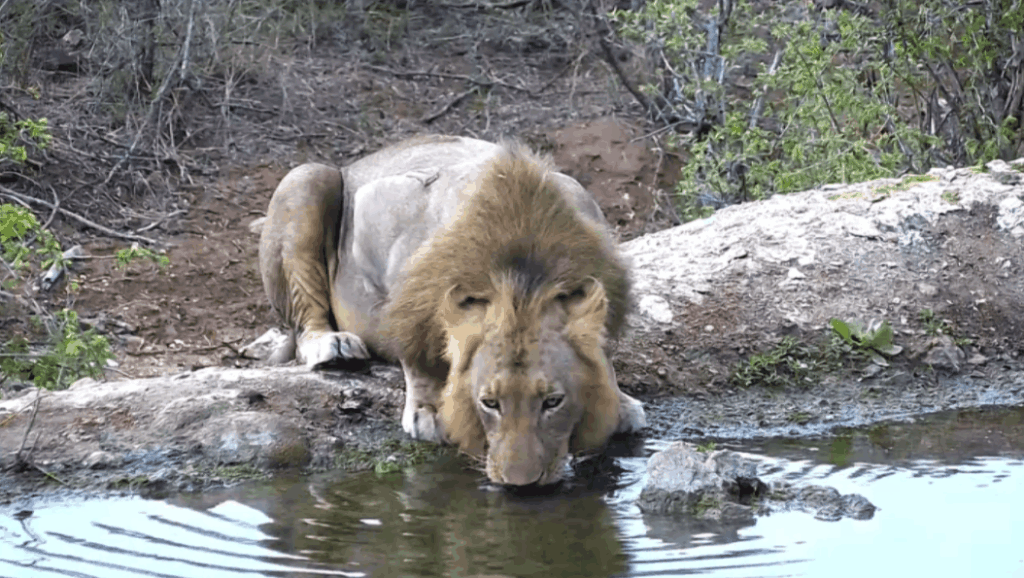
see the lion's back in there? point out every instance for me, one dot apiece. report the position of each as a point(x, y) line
point(422, 153)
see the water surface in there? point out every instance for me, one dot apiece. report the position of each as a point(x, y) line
point(948, 488)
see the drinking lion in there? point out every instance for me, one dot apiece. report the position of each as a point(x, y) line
point(490, 277)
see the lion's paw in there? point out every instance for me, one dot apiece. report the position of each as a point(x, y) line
point(422, 423)
point(631, 415)
point(320, 351)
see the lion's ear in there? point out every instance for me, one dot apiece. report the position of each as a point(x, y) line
point(461, 424)
point(585, 329)
point(600, 399)
point(587, 309)
point(461, 315)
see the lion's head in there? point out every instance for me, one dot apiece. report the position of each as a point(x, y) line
point(517, 298)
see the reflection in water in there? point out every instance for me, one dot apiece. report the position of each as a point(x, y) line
point(436, 521)
point(948, 488)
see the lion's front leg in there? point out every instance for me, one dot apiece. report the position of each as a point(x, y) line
point(422, 400)
point(631, 414)
point(322, 349)
point(632, 417)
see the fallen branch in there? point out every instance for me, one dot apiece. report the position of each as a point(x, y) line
point(25, 199)
point(488, 5)
point(489, 83)
point(451, 103)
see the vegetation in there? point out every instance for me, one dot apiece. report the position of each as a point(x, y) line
point(706, 448)
point(789, 363)
point(935, 326)
point(792, 363)
point(68, 352)
point(772, 101)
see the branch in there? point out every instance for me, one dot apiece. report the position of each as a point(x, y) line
point(489, 83)
point(451, 103)
point(755, 111)
point(154, 106)
point(23, 199)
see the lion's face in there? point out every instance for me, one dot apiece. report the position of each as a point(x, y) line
point(529, 380)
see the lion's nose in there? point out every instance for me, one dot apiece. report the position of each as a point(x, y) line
point(521, 478)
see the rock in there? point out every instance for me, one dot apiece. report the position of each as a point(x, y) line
point(712, 486)
point(263, 439)
point(943, 353)
point(787, 265)
point(682, 480)
point(99, 460)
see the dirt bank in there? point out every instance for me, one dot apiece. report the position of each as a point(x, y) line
point(710, 294)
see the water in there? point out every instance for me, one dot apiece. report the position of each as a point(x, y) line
point(948, 489)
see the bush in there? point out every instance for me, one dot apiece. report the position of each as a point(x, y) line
point(778, 99)
point(68, 352)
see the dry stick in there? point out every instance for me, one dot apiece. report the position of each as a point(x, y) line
point(485, 83)
point(609, 57)
point(451, 103)
point(31, 422)
point(56, 209)
point(160, 221)
point(23, 199)
point(755, 111)
point(488, 6)
point(154, 106)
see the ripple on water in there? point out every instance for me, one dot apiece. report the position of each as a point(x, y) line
point(947, 487)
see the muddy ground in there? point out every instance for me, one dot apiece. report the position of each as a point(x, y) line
point(709, 295)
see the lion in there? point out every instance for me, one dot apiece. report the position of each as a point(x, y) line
point(490, 277)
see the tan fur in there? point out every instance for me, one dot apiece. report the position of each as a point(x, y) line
point(490, 277)
point(516, 219)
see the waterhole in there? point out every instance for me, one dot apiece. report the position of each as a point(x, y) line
point(948, 488)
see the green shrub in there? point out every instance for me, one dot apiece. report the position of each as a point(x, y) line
point(838, 95)
point(68, 353)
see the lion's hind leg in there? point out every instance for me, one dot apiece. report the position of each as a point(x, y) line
point(298, 255)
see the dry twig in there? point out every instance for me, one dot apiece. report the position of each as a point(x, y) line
point(25, 200)
point(451, 103)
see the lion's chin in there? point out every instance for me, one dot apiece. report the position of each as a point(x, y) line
point(535, 489)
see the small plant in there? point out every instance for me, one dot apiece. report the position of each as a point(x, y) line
point(706, 448)
point(788, 363)
point(126, 256)
point(875, 339)
point(934, 326)
point(69, 355)
point(16, 138)
point(799, 417)
point(707, 502)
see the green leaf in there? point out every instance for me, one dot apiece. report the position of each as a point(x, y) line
point(842, 329)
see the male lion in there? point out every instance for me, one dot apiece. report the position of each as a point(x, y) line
point(492, 278)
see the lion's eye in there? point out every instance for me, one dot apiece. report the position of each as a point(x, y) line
point(470, 301)
point(553, 401)
point(570, 295)
point(489, 403)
